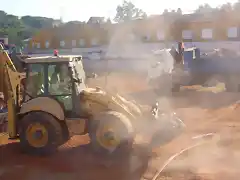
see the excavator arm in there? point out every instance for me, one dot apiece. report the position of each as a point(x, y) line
point(10, 86)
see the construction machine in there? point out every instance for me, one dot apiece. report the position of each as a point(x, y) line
point(50, 102)
point(209, 69)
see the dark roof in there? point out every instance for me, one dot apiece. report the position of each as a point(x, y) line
point(198, 17)
point(96, 20)
point(194, 17)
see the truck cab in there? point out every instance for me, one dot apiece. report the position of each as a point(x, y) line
point(171, 70)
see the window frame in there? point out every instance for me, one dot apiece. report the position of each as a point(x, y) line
point(208, 30)
point(27, 79)
point(189, 33)
point(230, 30)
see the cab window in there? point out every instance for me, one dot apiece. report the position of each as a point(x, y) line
point(59, 78)
point(60, 84)
point(79, 73)
point(35, 80)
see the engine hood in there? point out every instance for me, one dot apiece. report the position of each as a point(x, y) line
point(95, 100)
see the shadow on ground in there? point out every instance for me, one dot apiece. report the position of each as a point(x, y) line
point(70, 163)
point(186, 99)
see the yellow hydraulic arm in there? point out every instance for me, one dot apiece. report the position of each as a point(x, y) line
point(9, 85)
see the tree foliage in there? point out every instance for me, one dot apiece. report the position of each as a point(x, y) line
point(18, 29)
point(226, 8)
point(206, 8)
point(128, 11)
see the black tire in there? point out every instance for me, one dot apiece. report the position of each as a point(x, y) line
point(122, 123)
point(52, 127)
point(65, 133)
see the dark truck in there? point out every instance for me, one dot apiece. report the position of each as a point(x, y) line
point(220, 66)
point(196, 69)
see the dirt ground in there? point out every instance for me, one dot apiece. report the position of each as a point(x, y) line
point(202, 112)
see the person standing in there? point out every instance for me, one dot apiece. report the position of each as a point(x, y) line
point(180, 58)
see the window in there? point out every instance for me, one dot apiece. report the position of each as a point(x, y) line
point(81, 42)
point(38, 45)
point(74, 43)
point(47, 44)
point(62, 43)
point(187, 34)
point(207, 33)
point(79, 73)
point(35, 80)
point(160, 35)
point(59, 79)
point(232, 32)
point(94, 42)
point(60, 84)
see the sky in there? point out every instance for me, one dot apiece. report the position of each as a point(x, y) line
point(81, 10)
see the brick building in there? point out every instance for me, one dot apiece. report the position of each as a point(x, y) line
point(160, 28)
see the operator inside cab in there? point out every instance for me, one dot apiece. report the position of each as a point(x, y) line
point(60, 82)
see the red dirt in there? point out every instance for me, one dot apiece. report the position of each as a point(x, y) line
point(217, 160)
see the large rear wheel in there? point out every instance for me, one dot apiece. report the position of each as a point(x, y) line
point(40, 133)
point(111, 132)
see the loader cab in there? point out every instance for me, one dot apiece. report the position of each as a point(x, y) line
point(59, 77)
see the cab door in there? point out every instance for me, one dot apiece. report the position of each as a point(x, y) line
point(60, 84)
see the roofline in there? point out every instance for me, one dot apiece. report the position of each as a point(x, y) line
point(50, 59)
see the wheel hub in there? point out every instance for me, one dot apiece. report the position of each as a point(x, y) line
point(109, 136)
point(38, 134)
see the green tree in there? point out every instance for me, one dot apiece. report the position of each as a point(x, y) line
point(236, 6)
point(127, 11)
point(179, 11)
point(227, 7)
point(206, 8)
point(165, 11)
point(17, 29)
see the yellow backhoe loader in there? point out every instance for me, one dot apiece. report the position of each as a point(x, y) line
point(50, 102)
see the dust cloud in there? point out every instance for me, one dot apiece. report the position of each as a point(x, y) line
point(216, 158)
point(131, 55)
point(135, 63)
point(209, 159)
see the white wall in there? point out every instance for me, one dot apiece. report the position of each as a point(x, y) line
point(140, 50)
point(187, 34)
